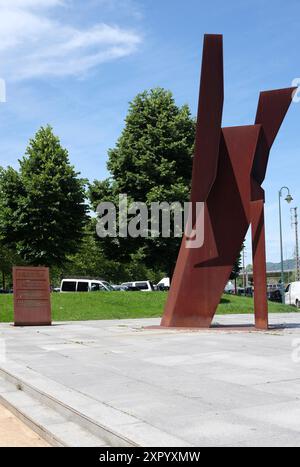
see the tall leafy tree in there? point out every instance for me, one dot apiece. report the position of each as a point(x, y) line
point(90, 261)
point(7, 259)
point(42, 206)
point(151, 162)
point(237, 268)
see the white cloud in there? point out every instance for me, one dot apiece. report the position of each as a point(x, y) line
point(29, 3)
point(33, 44)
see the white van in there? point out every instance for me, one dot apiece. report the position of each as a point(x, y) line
point(144, 286)
point(163, 284)
point(292, 294)
point(229, 288)
point(84, 285)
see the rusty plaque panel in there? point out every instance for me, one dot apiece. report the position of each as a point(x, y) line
point(32, 306)
point(229, 167)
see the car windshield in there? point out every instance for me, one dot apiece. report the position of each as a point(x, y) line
point(95, 287)
point(107, 285)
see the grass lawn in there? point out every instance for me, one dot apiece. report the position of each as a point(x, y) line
point(122, 305)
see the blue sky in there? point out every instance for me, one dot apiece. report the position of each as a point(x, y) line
point(77, 63)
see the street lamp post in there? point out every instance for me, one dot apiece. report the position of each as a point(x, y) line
point(294, 212)
point(288, 199)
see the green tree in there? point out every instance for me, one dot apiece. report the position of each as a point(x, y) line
point(42, 206)
point(237, 268)
point(90, 261)
point(8, 259)
point(152, 161)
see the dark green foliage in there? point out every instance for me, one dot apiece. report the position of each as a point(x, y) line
point(237, 269)
point(8, 259)
point(152, 161)
point(42, 206)
point(90, 261)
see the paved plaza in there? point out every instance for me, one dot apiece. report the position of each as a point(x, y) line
point(222, 387)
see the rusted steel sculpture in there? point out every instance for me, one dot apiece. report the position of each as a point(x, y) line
point(228, 170)
point(32, 305)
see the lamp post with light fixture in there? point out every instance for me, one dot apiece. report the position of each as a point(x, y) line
point(288, 199)
point(294, 212)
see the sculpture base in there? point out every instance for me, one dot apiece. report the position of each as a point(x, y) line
point(218, 327)
point(32, 324)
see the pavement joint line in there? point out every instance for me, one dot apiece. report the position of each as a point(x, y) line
point(37, 428)
point(111, 431)
point(259, 388)
point(28, 386)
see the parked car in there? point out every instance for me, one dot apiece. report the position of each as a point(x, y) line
point(292, 294)
point(6, 291)
point(272, 287)
point(130, 288)
point(119, 288)
point(143, 286)
point(247, 291)
point(274, 295)
point(229, 288)
point(84, 285)
point(164, 284)
point(161, 287)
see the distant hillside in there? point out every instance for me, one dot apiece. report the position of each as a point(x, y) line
point(288, 264)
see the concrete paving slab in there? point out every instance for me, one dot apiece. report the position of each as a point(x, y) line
point(217, 387)
point(285, 415)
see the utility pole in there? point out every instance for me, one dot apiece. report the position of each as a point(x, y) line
point(288, 199)
point(294, 212)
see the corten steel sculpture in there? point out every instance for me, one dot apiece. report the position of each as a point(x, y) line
point(32, 306)
point(228, 170)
